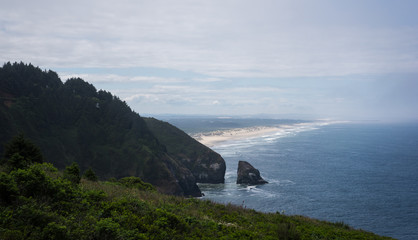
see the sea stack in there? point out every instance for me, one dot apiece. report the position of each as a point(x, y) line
point(249, 175)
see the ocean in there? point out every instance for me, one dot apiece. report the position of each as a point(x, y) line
point(362, 174)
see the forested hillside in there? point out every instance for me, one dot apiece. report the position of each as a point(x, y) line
point(73, 122)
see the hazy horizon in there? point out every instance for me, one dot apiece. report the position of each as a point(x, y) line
point(346, 60)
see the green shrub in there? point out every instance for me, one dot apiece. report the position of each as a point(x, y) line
point(287, 231)
point(136, 182)
point(54, 231)
point(90, 175)
point(8, 188)
point(107, 229)
point(72, 173)
point(33, 182)
point(11, 234)
point(165, 219)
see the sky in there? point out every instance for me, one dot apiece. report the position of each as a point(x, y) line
point(345, 60)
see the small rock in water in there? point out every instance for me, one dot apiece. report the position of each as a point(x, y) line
point(247, 174)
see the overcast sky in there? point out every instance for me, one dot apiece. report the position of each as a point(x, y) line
point(353, 59)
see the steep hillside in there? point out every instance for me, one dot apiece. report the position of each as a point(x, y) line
point(206, 165)
point(73, 122)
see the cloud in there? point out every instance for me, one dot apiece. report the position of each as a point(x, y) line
point(114, 78)
point(248, 56)
point(234, 39)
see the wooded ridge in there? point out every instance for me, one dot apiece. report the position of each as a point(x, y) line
point(73, 122)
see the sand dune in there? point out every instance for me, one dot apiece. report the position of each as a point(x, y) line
point(212, 138)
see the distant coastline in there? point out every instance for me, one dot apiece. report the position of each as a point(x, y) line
point(210, 139)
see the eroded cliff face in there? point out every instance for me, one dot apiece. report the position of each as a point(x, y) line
point(182, 177)
point(206, 165)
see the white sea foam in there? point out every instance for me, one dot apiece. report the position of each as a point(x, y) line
point(237, 142)
point(255, 191)
point(249, 188)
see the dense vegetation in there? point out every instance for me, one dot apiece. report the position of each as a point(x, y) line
point(73, 122)
point(39, 202)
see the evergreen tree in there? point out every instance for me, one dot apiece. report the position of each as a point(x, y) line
point(72, 173)
point(21, 152)
point(90, 175)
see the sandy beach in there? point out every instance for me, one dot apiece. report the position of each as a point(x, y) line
point(212, 138)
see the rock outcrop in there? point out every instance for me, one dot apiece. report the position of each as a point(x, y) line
point(206, 165)
point(180, 181)
point(247, 174)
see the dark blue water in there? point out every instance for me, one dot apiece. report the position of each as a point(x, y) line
point(365, 175)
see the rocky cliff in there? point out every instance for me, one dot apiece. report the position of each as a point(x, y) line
point(206, 165)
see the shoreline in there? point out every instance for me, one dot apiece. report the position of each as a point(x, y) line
point(210, 139)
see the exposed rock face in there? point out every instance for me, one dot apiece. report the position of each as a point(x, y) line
point(247, 174)
point(183, 178)
point(206, 165)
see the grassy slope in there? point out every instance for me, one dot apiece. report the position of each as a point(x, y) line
point(206, 219)
point(38, 203)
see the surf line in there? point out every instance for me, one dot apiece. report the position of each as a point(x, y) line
point(210, 139)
